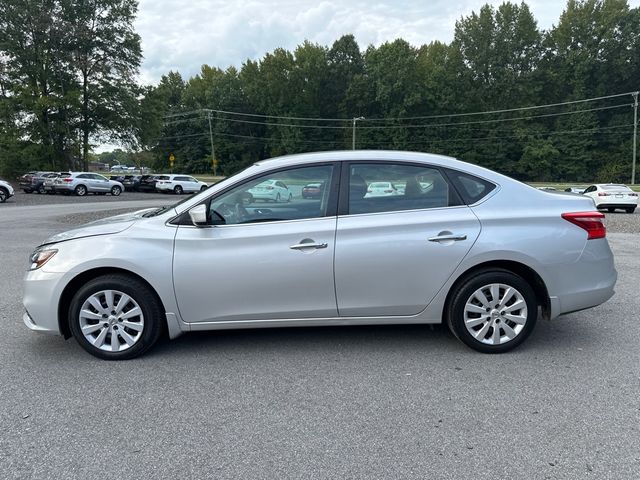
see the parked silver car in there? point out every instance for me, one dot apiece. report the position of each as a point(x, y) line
point(81, 183)
point(477, 250)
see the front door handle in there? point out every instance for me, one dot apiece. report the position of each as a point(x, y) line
point(448, 238)
point(301, 246)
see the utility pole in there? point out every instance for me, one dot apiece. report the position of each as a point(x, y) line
point(213, 149)
point(635, 136)
point(353, 136)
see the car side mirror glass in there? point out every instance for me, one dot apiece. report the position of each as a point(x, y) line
point(198, 215)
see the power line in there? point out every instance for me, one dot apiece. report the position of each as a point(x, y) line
point(427, 125)
point(426, 140)
point(424, 117)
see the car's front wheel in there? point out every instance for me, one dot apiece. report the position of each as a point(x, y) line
point(631, 209)
point(81, 190)
point(115, 317)
point(492, 311)
point(4, 194)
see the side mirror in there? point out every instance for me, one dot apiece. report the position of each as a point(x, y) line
point(198, 215)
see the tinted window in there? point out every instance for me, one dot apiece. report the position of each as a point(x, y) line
point(181, 179)
point(83, 176)
point(472, 188)
point(259, 200)
point(394, 187)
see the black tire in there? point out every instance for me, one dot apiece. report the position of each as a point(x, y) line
point(40, 189)
point(81, 190)
point(27, 190)
point(630, 209)
point(203, 188)
point(611, 209)
point(177, 190)
point(278, 198)
point(290, 197)
point(140, 293)
point(4, 194)
point(463, 292)
point(116, 191)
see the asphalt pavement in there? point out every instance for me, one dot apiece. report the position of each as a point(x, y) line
point(350, 402)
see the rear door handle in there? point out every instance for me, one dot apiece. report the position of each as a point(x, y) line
point(445, 238)
point(301, 246)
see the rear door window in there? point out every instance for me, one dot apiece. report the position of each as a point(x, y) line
point(389, 187)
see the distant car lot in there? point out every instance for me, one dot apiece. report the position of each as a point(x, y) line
point(26, 199)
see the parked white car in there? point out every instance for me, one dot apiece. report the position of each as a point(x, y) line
point(612, 196)
point(82, 183)
point(179, 184)
point(578, 190)
point(273, 190)
point(6, 191)
point(381, 189)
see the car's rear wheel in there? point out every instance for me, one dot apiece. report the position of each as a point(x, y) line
point(611, 209)
point(81, 190)
point(492, 311)
point(115, 317)
point(177, 190)
point(630, 209)
point(116, 190)
point(203, 188)
point(27, 190)
point(4, 194)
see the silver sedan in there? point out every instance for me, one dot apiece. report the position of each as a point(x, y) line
point(479, 251)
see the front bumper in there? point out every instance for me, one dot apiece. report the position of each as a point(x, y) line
point(42, 292)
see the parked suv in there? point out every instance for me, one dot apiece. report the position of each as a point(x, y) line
point(147, 183)
point(49, 182)
point(34, 181)
point(131, 183)
point(6, 191)
point(179, 184)
point(82, 183)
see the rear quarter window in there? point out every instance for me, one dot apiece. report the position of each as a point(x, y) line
point(471, 188)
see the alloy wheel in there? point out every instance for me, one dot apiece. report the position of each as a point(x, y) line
point(111, 320)
point(495, 314)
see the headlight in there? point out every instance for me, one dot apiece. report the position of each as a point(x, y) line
point(40, 257)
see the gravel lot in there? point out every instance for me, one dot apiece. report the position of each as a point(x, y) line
point(365, 402)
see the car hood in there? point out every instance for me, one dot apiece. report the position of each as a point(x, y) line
point(105, 226)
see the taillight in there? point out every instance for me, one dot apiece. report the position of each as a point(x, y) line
point(603, 194)
point(592, 222)
point(68, 180)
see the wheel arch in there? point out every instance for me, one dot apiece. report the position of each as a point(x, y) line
point(520, 269)
point(76, 282)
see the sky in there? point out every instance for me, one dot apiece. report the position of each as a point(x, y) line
point(183, 35)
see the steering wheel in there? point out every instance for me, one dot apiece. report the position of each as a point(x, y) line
point(232, 213)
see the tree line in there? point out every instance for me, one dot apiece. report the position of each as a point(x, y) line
point(68, 80)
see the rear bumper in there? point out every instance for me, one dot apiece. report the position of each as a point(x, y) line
point(618, 205)
point(586, 283)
